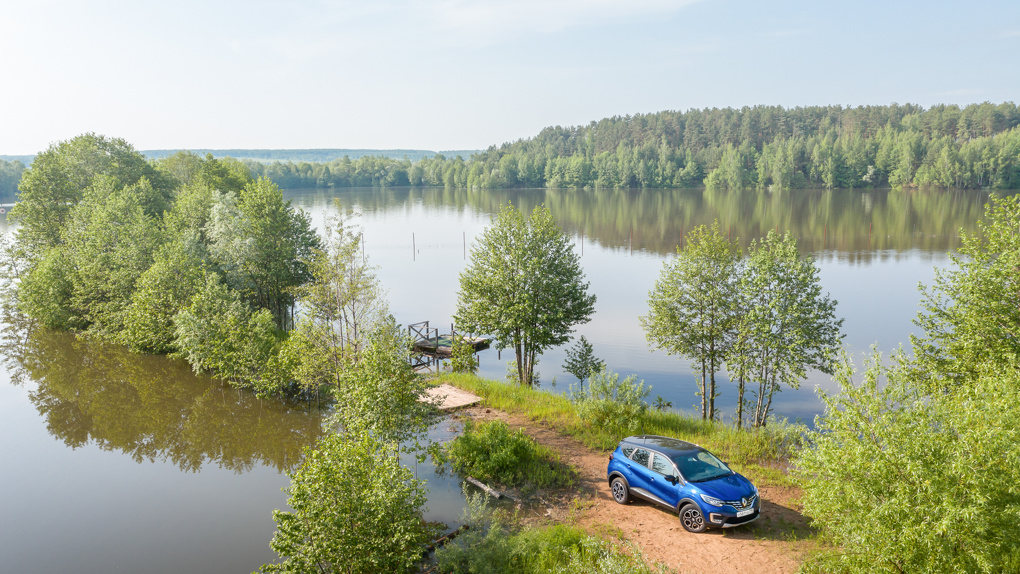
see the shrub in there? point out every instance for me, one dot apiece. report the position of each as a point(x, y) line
point(492, 452)
point(609, 402)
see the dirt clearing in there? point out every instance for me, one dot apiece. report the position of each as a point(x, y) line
point(775, 543)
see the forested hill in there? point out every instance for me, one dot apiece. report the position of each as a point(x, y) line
point(944, 146)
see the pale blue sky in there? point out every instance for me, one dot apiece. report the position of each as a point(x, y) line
point(464, 74)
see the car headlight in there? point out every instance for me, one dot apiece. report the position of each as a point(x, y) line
point(712, 500)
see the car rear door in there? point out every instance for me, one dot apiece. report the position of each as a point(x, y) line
point(646, 483)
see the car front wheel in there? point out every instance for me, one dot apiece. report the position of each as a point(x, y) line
point(692, 518)
point(621, 494)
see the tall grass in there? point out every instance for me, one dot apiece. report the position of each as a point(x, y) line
point(499, 543)
point(761, 453)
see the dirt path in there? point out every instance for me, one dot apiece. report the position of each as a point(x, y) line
point(773, 544)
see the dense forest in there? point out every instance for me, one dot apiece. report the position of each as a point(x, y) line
point(761, 147)
point(945, 146)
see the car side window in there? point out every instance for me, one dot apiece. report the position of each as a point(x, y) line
point(640, 456)
point(627, 450)
point(662, 465)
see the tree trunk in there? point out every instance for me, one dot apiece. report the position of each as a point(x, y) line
point(704, 395)
point(740, 400)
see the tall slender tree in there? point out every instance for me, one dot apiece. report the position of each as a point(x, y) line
point(788, 325)
point(692, 310)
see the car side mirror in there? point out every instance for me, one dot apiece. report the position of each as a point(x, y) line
point(673, 479)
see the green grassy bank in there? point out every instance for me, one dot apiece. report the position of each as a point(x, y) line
point(760, 454)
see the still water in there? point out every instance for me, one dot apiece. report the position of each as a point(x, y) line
point(116, 462)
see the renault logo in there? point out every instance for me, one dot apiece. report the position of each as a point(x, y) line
point(744, 501)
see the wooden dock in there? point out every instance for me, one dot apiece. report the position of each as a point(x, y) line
point(430, 347)
point(442, 345)
point(451, 397)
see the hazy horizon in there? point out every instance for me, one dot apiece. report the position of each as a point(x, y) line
point(467, 74)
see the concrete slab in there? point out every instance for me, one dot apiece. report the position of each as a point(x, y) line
point(452, 397)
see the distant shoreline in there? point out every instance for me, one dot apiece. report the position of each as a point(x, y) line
point(310, 155)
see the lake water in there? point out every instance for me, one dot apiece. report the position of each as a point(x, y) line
point(116, 462)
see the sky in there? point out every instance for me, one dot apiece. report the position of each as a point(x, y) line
point(467, 74)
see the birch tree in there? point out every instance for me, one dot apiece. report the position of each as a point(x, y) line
point(693, 308)
point(524, 285)
point(787, 325)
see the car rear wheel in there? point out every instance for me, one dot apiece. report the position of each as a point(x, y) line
point(621, 494)
point(692, 518)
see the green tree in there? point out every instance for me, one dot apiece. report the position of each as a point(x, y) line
point(59, 176)
point(693, 308)
point(161, 292)
point(109, 242)
point(918, 473)
point(344, 296)
point(970, 311)
point(218, 332)
point(354, 509)
point(382, 393)
point(281, 240)
point(905, 480)
point(524, 285)
point(787, 326)
point(581, 360)
point(262, 245)
point(10, 177)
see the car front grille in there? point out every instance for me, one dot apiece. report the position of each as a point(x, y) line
point(740, 505)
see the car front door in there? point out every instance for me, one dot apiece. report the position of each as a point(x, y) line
point(661, 486)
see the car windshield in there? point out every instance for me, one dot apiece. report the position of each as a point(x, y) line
point(701, 466)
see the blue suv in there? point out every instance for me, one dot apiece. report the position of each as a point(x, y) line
point(685, 478)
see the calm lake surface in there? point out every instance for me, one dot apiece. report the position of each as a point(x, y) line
point(116, 462)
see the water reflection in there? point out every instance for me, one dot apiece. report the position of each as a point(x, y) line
point(854, 223)
point(153, 408)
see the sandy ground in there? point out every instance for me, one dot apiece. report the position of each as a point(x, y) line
point(775, 543)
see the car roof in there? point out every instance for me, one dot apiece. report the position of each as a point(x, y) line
point(664, 444)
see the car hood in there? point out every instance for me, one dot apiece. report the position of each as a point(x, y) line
point(732, 487)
